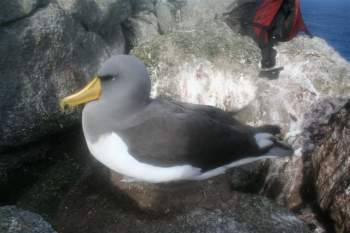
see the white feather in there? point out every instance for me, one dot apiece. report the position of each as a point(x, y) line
point(222, 169)
point(113, 153)
point(263, 140)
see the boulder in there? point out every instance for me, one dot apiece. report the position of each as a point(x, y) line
point(92, 206)
point(319, 172)
point(37, 177)
point(186, 14)
point(205, 66)
point(14, 220)
point(331, 165)
point(143, 5)
point(284, 181)
point(292, 179)
point(45, 55)
point(18, 170)
point(104, 18)
point(12, 10)
point(142, 25)
point(140, 28)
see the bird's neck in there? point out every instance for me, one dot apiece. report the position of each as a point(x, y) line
point(128, 109)
point(99, 119)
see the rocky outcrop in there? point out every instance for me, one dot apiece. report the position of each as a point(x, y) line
point(183, 15)
point(207, 65)
point(104, 18)
point(92, 206)
point(318, 177)
point(331, 165)
point(142, 25)
point(37, 177)
point(151, 18)
point(18, 169)
point(14, 220)
point(50, 48)
point(11, 11)
point(44, 56)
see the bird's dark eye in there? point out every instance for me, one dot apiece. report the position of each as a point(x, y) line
point(108, 77)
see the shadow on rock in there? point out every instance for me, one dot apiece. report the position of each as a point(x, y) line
point(100, 202)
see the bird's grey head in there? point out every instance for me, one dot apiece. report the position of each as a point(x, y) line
point(121, 87)
point(125, 83)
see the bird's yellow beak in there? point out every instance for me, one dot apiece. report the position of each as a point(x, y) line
point(92, 91)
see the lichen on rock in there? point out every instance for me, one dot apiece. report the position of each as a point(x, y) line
point(44, 57)
point(14, 220)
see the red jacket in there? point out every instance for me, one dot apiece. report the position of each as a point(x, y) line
point(267, 11)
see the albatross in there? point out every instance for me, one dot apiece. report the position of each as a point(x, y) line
point(158, 140)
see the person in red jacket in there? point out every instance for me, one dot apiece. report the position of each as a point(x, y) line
point(268, 22)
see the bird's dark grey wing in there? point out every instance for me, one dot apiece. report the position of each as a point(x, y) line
point(227, 118)
point(177, 135)
point(210, 111)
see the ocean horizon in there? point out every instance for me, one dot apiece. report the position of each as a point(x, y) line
point(330, 20)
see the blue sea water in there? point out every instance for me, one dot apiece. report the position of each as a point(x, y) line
point(329, 19)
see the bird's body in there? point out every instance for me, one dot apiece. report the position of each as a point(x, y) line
point(157, 140)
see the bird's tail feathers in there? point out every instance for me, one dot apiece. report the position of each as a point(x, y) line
point(272, 146)
point(279, 151)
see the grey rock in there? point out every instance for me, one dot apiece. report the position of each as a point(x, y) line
point(12, 10)
point(293, 176)
point(186, 14)
point(14, 220)
point(143, 5)
point(95, 14)
point(331, 164)
point(38, 176)
point(284, 181)
point(166, 18)
point(16, 170)
point(313, 221)
point(141, 27)
point(212, 57)
point(203, 206)
point(320, 171)
point(249, 178)
point(102, 17)
point(44, 57)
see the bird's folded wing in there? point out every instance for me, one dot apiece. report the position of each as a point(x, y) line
point(184, 136)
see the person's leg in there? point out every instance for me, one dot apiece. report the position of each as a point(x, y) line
point(268, 55)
